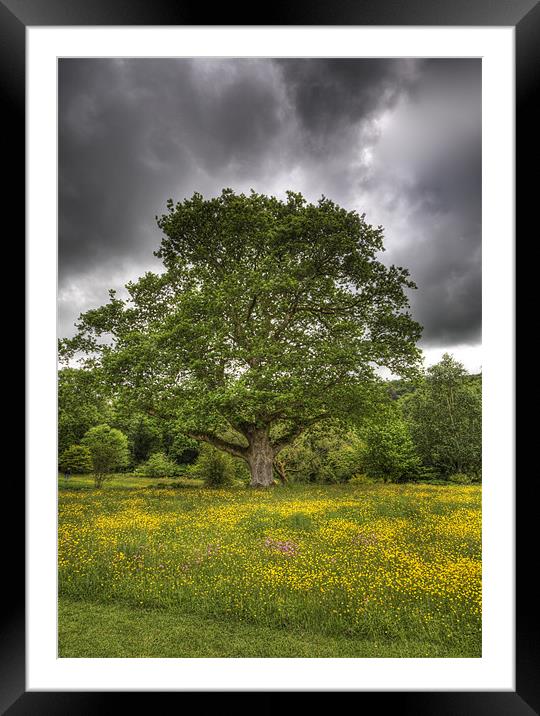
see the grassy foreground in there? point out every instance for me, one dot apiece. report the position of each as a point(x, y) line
point(93, 630)
point(338, 571)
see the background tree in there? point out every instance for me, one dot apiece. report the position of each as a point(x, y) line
point(76, 460)
point(445, 417)
point(389, 454)
point(270, 317)
point(397, 388)
point(82, 403)
point(144, 437)
point(109, 450)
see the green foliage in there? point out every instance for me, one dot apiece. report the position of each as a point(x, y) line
point(109, 450)
point(389, 453)
point(158, 465)
point(429, 474)
point(145, 433)
point(325, 453)
point(241, 470)
point(76, 460)
point(361, 479)
point(144, 437)
point(269, 313)
point(183, 449)
point(214, 467)
point(82, 403)
point(397, 388)
point(460, 478)
point(445, 418)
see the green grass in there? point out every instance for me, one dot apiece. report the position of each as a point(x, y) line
point(90, 630)
point(301, 570)
point(125, 481)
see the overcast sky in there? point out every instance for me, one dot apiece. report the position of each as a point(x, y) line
point(398, 140)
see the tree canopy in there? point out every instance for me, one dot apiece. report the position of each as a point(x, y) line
point(270, 316)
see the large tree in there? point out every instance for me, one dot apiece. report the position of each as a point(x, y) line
point(270, 316)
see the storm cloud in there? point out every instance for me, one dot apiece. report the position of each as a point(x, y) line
point(396, 139)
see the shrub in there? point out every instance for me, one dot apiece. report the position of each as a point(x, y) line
point(459, 478)
point(326, 453)
point(76, 460)
point(240, 470)
point(215, 468)
point(362, 479)
point(158, 465)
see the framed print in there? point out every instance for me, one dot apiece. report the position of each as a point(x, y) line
point(388, 564)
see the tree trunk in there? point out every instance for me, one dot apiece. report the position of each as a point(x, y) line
point(260, 458)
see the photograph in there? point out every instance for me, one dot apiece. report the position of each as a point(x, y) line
point(269, 320)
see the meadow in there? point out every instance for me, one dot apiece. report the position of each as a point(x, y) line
point(169, 568)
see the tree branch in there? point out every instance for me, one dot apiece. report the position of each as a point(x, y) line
point(291, 313)
point(250, 308)
point(295, 432)
point(231, 448)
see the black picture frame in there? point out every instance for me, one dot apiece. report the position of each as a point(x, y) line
point(524, 16)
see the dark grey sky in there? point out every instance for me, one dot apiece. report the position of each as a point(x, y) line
point(398, 140)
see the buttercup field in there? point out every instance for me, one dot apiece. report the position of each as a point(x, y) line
point(379, 570)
